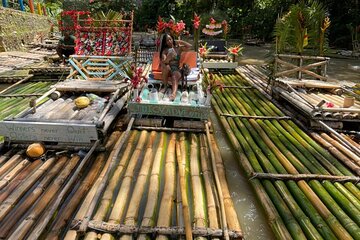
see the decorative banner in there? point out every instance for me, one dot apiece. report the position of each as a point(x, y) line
point(104, 37)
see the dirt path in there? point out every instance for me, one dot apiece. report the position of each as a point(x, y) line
point(343, 70)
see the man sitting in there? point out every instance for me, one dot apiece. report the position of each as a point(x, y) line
point(66, 46)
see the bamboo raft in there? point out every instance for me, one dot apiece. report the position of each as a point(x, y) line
point(314, 101)
point(144, 185)
point(300, 184)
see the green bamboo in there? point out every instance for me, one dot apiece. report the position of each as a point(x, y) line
point(329, 186)
point(275, 221)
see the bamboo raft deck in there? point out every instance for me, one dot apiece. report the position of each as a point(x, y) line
point(313, 100)
point(297, 180)
point(144, 185)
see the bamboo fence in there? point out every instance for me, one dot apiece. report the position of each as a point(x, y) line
point(297, 208)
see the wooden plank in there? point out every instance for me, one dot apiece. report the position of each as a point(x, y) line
point(48, 132)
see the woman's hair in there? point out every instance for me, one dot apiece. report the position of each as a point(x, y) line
point(163, 43)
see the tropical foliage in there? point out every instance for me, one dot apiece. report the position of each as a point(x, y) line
point(304, 25)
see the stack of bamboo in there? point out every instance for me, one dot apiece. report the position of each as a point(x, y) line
point(16, 98)
point(297, 181)
point(307, 102)
point(29, 190)
point(159, 185)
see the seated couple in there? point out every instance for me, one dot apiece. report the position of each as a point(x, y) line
point(170, 51)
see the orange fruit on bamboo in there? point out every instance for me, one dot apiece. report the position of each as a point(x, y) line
point(35, 150)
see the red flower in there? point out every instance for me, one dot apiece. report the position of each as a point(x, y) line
point(329, 105)
point(196, 21)
point(212, 21)
point(138, 99)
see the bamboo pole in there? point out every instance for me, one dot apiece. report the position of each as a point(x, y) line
point(119, 206)
point(199, 200)
point(284, 161)
point(231, 215)
point(28, 170)
point(347, 161)
point(12, 174)
point(11, 163)
point(332, 205)
point(36, 195)
point(36, 232)
point(297, 177)
point(275, 221)
point(5, 157)
point(150, 212)
point(209, 183)
point(104, 181)
point(65, 215)
point(167, 203)
point(131, 216)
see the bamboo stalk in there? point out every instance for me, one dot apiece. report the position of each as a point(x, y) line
point(231, 216)
point(11, 163)
point(275, 221)
point(133, 209)
point(347, 161)
point(65, 215)
point(167, 203)
point(255, 117)
point(28, 170)
point(290, 168)
point(15, 196)
point(36, 232)
point(150, 212)
point(104, 181)
point(118, 209)
point(5, 157)
point(209, 183)
point(12, 174)
point(199, 200)
point(341, 219)
point(298, 177)
point(36, 193)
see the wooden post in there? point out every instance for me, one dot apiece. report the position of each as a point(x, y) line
point(31, 6)
point(44, 10)
point(5, 3)
point(300, 65)
point(21, 3)
point(39, 8)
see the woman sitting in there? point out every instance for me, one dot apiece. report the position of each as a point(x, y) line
point(170, 52)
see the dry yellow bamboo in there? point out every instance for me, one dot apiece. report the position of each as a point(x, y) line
point(122, 197)
point(27, 171)
point(209, 183)
point(167, 200)
point(181, 160)
point(5, 157)
point(10, 175)
point(133, 209)
point(231, 216)
point(105, 202)
point(349, 139)
point(71, 235)
point(11, 163)
point(154, 188)
point(344, 159)
point(341, 147)
point(65, 215)
point(199, 217)
point(15, 196)
point(25, 226)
